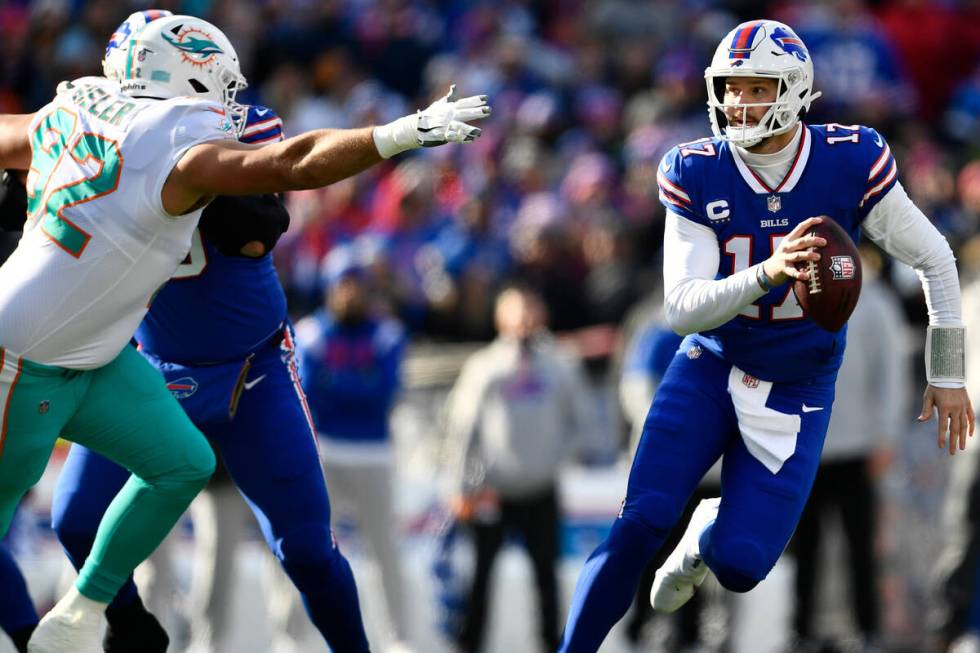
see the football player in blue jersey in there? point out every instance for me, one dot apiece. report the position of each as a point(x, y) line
point(242, 386)
point(219, 334)
point(18, 617)
point(753, 381)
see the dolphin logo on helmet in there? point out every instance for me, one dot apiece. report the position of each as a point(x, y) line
point(193, 45)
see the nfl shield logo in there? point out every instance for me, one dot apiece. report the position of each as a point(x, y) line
point(694, 352)
point(750, 381)
point(774, 203)
point(43, 407)
point(842, 267)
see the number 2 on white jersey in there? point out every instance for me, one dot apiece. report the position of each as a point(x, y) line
point(740, 249)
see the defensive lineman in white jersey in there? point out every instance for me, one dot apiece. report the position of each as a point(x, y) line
point(99, 242)
point(117, 180)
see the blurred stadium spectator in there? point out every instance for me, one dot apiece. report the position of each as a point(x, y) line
point(956, 613)
point(870, 412)
point(518, 409)
point(350, 362)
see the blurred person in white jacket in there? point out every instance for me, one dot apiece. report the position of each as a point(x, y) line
point(519, 407)
point(956, 620)
point(873, 407)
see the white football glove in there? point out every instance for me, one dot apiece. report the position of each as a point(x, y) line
point(444, 121)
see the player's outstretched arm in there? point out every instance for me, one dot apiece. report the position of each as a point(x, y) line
point(15, 146)
point(317, 158)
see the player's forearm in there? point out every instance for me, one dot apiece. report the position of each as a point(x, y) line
point(693, 299)
point(15, 147)
point(694, 305)
point(324, 156)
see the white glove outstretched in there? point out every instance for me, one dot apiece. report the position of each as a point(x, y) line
point(444, 121)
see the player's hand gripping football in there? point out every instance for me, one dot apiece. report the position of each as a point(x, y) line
point(444, 121)
point(793, 249)
point(955, 415)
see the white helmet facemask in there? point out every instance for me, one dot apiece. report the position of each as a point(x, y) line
point(769, 50)
point(175, 56)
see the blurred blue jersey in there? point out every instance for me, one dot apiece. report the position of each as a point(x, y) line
point(839, 171)
point(217, 307)
point(350, 374)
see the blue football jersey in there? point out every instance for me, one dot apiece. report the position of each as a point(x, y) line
point(840, 171)
point(215, 307)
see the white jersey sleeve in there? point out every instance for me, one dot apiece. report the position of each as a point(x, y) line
point(191, 124)
point(898, 226)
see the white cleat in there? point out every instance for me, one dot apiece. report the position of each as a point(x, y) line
point(74, 625)
point(683, 571)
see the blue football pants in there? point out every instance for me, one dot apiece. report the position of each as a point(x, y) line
point(692, 423)
point(270, 451)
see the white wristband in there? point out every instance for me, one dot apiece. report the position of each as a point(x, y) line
point(397, 136)
point(946, 355)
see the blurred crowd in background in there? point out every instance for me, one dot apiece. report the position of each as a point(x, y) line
point(587, 96)
point(559, 193)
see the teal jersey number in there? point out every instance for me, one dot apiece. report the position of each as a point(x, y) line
point(98, 160)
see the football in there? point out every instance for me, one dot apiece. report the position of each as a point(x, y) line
point(830, 295)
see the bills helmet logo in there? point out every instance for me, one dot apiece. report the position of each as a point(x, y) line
point(842, 267)
point(120, 36)
point(790, 43)
point(132, 25)
point(183, 387)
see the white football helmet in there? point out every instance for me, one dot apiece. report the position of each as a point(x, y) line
point(761, 48)
point(175, 56)
point(114, 62)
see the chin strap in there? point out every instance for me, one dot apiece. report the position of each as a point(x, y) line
point(946, 355)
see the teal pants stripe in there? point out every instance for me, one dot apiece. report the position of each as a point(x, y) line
point(124, 412)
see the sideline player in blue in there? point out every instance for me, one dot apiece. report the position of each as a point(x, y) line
point(218, 333)
point(753, 382)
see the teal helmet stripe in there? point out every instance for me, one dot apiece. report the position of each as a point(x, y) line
point(131, 59)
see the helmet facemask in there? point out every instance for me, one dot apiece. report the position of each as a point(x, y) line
point(230, 83)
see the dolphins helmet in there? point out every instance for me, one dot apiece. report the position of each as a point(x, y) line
point(156, 54)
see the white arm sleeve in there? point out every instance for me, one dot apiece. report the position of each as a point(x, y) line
point(693, 299)
point(900, 228)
